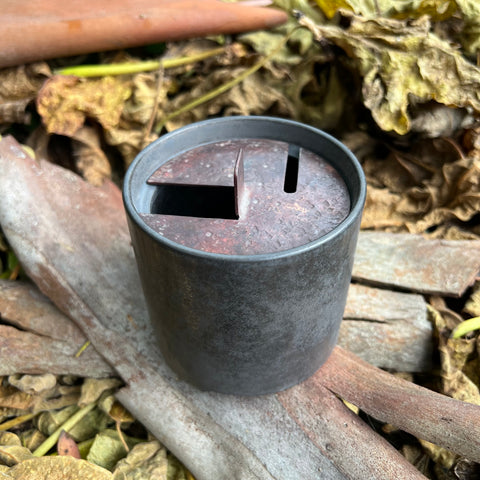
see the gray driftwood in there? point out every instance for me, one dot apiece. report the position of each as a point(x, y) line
point(46, 340)
point(387, 329)
point(412, 262)
point(442, 420)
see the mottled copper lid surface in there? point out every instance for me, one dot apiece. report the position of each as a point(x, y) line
point(246, 196)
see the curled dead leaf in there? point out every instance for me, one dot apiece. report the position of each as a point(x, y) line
point(33, 383)
point(65, 102)
point(108, 448)
point(90, 158)
point(146, 460)
point(9, 438)
point(57, 468)
point(400, 61)
point(437, 9)
point(18, 87)
point(472, 306)
point(12, 398)
point(13, 454)
point(430, 185)
point(459, 379)
point(94, 388)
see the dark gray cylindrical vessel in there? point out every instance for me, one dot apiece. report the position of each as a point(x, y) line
point(242, 323)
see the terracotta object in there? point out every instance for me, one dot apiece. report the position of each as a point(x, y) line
point(40, 29)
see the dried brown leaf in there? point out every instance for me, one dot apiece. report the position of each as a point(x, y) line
point(472, 306)
point(431, 185)
point(18, 87)
point(402, 63)
point(10, 397)
point(90, 158)
point(455, 355)
point(146, 461)
point(253, 96)
point(9, 438)
point(57, 468)
point(65, 102)
point(93, 389)
point(12, 454)
point(33, 384)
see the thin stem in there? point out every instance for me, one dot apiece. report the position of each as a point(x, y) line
point(16, 421)
point(82, 348)
point(68, 425)
point(136, 67)
point(223, 88)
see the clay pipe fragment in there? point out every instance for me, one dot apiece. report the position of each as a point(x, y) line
point(33, 30)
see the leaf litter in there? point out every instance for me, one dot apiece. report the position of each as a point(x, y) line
point(396, 81)
point(105, 442)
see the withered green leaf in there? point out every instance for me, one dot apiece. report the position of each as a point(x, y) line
point(107, 449)
point(146, 461)
point(92, 423)
point(437, 9)
point(402, 65)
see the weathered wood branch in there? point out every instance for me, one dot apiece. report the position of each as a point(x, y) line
point(428, 415)
point(25, 352)
point(387, 329)
point(344, 437)
point(412, 262)
point(46, 340)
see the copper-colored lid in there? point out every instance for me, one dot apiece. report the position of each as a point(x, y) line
point(248, 196)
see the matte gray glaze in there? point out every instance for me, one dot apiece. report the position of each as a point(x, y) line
point(244, 324)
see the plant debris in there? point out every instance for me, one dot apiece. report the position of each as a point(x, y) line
point(78, 431)
point(398, 82)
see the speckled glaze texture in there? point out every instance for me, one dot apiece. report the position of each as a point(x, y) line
point(244, 324)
